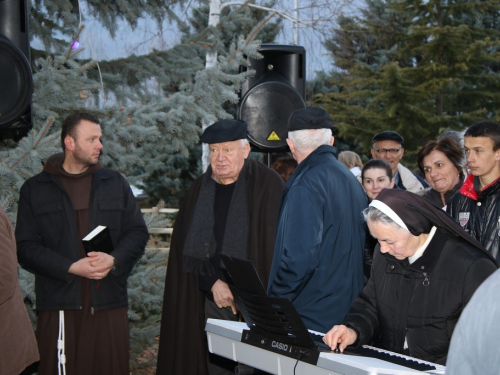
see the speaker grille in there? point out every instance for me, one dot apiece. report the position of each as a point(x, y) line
point(16, 84)
point(266, 108)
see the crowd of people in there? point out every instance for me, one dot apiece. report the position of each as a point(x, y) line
point(366, 253)
point(430, 246)
point(369, 253)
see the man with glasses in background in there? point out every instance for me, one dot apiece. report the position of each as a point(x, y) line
point(388, 146)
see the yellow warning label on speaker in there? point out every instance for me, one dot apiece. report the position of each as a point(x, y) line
point(273, 137)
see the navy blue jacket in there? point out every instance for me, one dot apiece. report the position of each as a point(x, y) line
point(47, 239)
point(318, 255)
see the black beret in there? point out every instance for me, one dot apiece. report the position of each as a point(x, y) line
point(388, 135)
point(309, 118)
point(225, 131)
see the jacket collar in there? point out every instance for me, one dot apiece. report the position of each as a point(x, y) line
point(407, 180)
point(469, 191)
point(101, 174)
point(435, 197)
point(428, 260)
point(313, 158)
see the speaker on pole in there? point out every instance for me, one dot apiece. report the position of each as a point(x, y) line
point(268, 98)
point(16, 79)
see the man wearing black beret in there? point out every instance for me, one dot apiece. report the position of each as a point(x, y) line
point(388, 146)
point(318, 255)
point(231, 209)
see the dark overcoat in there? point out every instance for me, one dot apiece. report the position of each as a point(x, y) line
point(183, 345)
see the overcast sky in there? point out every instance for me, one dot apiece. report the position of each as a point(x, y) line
point(99, 45)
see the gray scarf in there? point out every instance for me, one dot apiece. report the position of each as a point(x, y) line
point(200, 243)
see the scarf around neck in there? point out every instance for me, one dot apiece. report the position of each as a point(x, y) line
point(200, 243)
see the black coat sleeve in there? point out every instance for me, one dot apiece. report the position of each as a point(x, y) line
point(134, 234)
point(362, 316)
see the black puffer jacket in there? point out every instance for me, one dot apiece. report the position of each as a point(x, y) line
point(479, 213)
point(47, 239)
point(420, 302)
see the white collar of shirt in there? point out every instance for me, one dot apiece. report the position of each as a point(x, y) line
point(420, 251)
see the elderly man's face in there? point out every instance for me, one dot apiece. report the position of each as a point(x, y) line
point(390, 151)
point(227, 159)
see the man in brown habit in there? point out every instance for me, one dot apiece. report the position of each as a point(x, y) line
point(231, 209)
point(84, 293)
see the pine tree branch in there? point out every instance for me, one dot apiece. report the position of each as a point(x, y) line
point(36, 139)
point(258, 28)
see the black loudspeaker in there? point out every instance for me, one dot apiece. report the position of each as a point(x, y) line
point(16, 79)
point(268, 98)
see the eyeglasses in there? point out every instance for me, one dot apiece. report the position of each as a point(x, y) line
point(392, 151)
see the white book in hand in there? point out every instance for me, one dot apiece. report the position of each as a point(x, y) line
point(98, 240)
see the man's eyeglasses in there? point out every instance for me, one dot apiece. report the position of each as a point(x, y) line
point(392, 151)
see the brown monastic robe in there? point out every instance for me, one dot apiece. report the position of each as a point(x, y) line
point(96, 343)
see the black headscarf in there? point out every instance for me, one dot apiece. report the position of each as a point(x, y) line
point(419, 216)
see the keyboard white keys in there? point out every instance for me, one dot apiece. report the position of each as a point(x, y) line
point(224, 338)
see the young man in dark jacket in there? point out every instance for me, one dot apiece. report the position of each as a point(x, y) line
point(82, 296)
point(476, 205)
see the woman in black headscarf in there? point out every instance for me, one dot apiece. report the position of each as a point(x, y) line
point(425, 270)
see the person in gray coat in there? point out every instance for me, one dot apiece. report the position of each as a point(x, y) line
point(474, 344)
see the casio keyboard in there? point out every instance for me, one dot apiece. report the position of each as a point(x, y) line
point(274, 330)
point(225, 338)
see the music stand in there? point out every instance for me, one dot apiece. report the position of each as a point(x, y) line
point(274, 323)
point(243, 275)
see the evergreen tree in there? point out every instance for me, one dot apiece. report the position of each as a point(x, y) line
point(150, 107)
point(170, 180)
point(416, 67)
